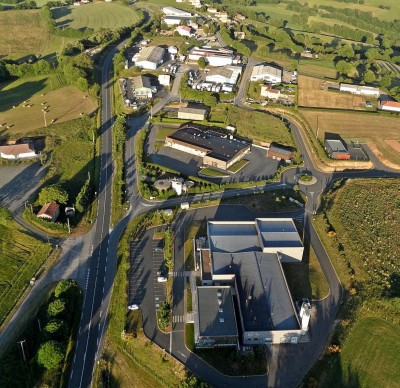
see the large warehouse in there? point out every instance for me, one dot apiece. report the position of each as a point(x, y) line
point(150, 57)
point(213, 56)
point(216, 149)
point(247, 257)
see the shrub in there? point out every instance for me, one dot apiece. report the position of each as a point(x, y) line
point(56, 308)
point(66, 288)
point(55, 329)
point(50, 354)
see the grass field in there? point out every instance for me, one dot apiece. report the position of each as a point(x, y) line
point(20, 257)
point(96, 16)
point(314, 93)
point(64, 103)
point(24, 32)
point(317, 68)
point(358, 125)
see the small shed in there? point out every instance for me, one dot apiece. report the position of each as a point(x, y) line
point(192, 114)
point(279, 152)
point(17, 151)
point(49, 211)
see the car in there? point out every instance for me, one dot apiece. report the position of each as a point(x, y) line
point(133, 307)
point(158, 249)
point(162, 279)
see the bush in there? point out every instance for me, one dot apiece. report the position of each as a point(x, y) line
point(53, 193)
point(56, 308)
point(55, 329)
point(50, 354)
point(66, 288)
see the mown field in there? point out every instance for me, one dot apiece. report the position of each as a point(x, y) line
point(314, 93)
point(96, 16)
point(64, 103)
point(24, 32)
point(357, 125)
point(20, 257)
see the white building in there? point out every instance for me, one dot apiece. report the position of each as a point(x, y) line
point(213, 56)
point(150, 57)
point(143, 89)
point(171, 11)
point(266, 73)
point(173, 50)
point(164, 79)
point(360, 90)
point(267, 92)
point(224, 75)
point(184, 30)
point(391, 106)
point(17, 151)
point(195, 3)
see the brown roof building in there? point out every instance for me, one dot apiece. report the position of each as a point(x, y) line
point(50, 211)
point(280, 153)
point(17, 151)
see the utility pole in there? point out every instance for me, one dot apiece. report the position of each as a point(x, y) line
point(69, 228)
point(22, 347)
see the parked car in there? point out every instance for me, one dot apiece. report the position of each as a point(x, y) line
point(162, 279)
point(133, 307)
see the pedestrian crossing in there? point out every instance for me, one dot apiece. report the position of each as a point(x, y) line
point(178, 274)
point(178, 318)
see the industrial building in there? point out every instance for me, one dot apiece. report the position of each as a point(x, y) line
point(360, 90)
point(173, 16)
point(213, 56)
point(143, 89)
point(336, 149)
point(266, 73)
point(224, 75)
point(216, 149)
point(150, 57)
point(391, 106)
point(247, 257)
point(192, 113)
point(279, 152)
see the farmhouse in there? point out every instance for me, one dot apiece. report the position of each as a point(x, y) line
point(215, 148)
point(213, 56)
point(192, 113)
point(359, 89)
point(150, 57)
point(224, 75)
point(247, 257)
point(49, 211)
point(276, 151)
point(142, 87)
point(336, 149)
point(266, 73)
point(270, 93)
point(184, 30)
point(391, 106)
point(17, 151)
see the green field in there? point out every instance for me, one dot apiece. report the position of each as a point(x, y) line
point(24, 32)
point(64, 103)
point(96, 16)
point(20, 257)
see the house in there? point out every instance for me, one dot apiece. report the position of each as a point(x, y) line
point(192, 114)
point(142, 87)
point(336, 149)
point(195, 3)
point(246, 257)
point(49, 211)
point(215, 148)
point(359, 90)
point(276, 151)
point(267, 92)
point(213, 56)
point(239, 35)
point(391, 106)
point(17, 151)
point(150, 57)
point(184, 30)
point(222, 16)
point(212, 10)
point(268, 73)
point(224, 75)
point(164, 79)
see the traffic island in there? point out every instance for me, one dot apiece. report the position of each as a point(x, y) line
point(307, 180)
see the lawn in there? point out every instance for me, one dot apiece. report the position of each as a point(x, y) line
point(259, 126)
point(317, 68)
point(238, 166)
point(24, 32)
point(209, 172)
point(64, 103)
point(21, 255)
point(357, 125)
point(196, 229)
point(96, 16)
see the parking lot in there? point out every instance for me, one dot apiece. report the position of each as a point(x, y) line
point(159, 270)
point(137, 274)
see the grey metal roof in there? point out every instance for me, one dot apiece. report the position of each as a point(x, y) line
point(193, 110)
point(280, 150)
point(151, 54)
point(216, 312)
point(141, 82)
point(264, 298)
point(278, 232)
point(335, 145)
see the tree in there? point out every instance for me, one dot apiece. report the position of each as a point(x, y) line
point(50, 354)
point(56, 308)
point(369, 76)
point(386, 81)
point(5, 216)
point(202, 63)
point(55, 329)
point(66, 288)
point(53, 193)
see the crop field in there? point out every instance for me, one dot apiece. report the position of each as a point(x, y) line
point(20, 257)
point(314, 93)
point(64, 103)
point(358, 125)
point(95, 16)
point(24, 32)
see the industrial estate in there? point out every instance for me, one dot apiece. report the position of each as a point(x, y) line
point(199, 194)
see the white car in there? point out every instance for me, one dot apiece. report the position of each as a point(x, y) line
point(133, 307)
point(161, 279)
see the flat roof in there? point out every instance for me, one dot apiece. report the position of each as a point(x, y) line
point(278, 232)
point(193, 110)
point(151, 54)
point(335, 145)
point(264, 298)
point(266, 69)
point(141, 82)
point(281, 150)
point(219, 147)
point(216, 312)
